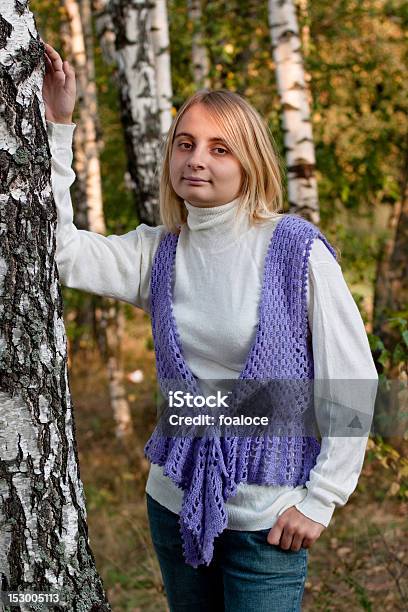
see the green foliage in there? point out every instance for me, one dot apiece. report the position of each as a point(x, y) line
point(239, 52)
point(357, 63)
point(399, 354)
point(47, 15)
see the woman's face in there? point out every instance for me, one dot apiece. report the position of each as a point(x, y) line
point(199, 151)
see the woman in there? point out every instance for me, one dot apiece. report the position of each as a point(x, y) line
point(231, 519)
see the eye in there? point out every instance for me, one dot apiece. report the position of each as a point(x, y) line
point(221, 149)
point(180, 144)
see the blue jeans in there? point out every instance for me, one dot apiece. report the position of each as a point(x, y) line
point(246, 574)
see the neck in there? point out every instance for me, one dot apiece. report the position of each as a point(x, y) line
point(216, 225)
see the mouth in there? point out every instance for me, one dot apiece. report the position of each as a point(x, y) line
point(194, 181)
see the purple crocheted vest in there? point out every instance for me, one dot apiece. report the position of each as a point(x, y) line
point(209, 469)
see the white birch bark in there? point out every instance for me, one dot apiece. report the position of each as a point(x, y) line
point(138, 94)
point(44, 542)
point(161, 47)
point(105, 30)
point(87, 164)
point(296, 120)
point(199, 54)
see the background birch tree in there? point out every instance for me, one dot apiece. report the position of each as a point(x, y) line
point(104, 29)
point(199, 54)
point(161, 47)
point(139, 104)
point(296, 118)
point(43, 530)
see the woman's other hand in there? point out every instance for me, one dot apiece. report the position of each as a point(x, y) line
point(293, 530)
point(59, 87)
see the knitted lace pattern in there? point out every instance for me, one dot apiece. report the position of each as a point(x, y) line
point(209, 469)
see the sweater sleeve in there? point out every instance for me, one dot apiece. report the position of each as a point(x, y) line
point(113, 266)
point(342, 355)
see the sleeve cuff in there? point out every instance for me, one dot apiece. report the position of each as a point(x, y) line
point(316, 510)
point(60, 133)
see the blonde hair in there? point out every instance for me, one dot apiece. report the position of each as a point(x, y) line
point(252, 143)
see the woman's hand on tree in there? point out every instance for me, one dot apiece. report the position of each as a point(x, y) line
point(293, 530)
point(59, 87)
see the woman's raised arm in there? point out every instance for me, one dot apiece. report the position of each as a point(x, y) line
point(113, 266)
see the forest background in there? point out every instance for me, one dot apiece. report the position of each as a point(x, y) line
point(355, 59)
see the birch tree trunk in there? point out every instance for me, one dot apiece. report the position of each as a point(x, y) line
point(105, 30)
point(87, 167)
point(161, 47)
point(296, 121)
point(109, 318)
point(44, 542)
point(199, 54)
point(132, 20)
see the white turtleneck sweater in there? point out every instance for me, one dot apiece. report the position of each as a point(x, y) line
point(218, 276)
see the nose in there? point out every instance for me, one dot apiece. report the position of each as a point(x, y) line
point(195, 159)
point(195, 164)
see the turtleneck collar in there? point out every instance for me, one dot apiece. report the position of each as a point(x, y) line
point(215, 226)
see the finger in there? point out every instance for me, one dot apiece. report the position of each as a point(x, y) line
point(68, 68)
point(274, 535)
point(297, 542)
point(49, 66)
point(286, 539)
point(70, 83)
point(49, 70)
point(48, 62)
point(54, 57)
point(307, 542)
